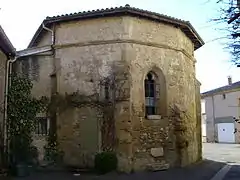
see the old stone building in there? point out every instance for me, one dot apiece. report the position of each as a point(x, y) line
point(148, 60)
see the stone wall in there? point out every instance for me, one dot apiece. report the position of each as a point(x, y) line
point(87, 51)
point(178, 70)
point(158, 34)
point(199, 120)
point(39, 70)
point(82, 68)
point(163, 49)
point(79, 135)
point(3, 60)
point(40, 141)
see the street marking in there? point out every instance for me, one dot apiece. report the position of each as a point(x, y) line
point(222, 173)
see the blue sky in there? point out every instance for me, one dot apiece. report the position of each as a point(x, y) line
point(20, 20)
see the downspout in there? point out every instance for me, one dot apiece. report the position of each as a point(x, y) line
point(7, 78)
point(8, 70)
point(51, 31)
point(52, 124)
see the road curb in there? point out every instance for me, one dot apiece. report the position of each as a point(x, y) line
point(222, 172)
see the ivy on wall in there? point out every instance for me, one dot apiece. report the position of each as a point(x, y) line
point(115, 91)
point(22, 109)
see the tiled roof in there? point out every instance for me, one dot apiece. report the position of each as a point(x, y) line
point(115, 9)
point(185, 26)
point(221, 89)
point(5, 44)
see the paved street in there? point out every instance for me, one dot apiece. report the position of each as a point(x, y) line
point(233, 173)
point(201, 171)
point(223, 164)
point(227, 153)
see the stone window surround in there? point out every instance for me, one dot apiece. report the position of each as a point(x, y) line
point(161, 94)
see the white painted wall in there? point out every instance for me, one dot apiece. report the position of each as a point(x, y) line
point(203, 119)
point(228, 106)
point(203, 109)
point(217, 106)
point(204, 130)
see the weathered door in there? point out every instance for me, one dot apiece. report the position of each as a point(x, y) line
point(90, 134)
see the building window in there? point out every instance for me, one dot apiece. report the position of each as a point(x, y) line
point(150, 94)
point(31, 68)
point(224, 96)
point(41, 126)
point(25, 67)
point(106, 89)
point(34, 68)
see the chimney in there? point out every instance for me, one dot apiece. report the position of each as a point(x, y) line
point(229, 80)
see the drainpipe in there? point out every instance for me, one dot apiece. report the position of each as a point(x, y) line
point(8, 70)
point(51, 31)
point(53, 117)
point(7, 83)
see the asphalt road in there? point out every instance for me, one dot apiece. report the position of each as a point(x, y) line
point(227, 153)
point(218, 155)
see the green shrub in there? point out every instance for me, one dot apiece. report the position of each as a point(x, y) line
point(106, 162)
point(33, 155)
point(53, 154)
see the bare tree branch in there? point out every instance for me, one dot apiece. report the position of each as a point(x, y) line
point(229, 17)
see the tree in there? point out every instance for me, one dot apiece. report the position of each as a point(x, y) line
point(230, 16)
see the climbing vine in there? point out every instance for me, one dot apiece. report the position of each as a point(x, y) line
point(22, 109)
point(114, 92)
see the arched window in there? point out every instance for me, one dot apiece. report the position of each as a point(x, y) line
point(155, 94)
point(150, 94)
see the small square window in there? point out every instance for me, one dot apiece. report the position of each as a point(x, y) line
point(224, 96)
point(41, 126)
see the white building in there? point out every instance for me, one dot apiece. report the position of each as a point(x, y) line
point(204, 133)
point(222, 106)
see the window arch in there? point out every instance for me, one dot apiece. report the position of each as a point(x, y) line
point(155, 93)
point(150, 94)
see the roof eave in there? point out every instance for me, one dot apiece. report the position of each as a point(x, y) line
point(6, 45)
point(184, 25)
point(207, 94)
point(197, 36)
